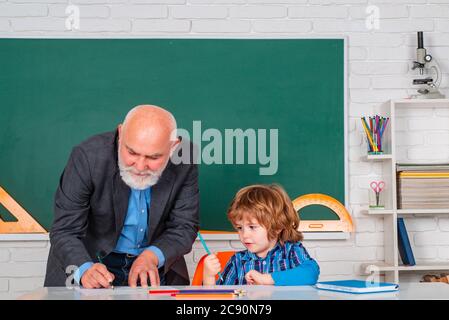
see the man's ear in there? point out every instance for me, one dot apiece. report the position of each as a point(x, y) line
point(119, 129)
point(177, 141)
point(173, 147)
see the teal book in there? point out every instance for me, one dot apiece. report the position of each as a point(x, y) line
point(405, 249)
point(357, 286)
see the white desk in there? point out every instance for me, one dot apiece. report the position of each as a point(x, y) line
point(408, 291)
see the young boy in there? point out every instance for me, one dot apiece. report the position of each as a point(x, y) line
point(267, 225)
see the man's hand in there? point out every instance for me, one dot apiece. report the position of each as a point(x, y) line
point(145, 265)
point(97, 276)
point(212, 266)
point(255, 277)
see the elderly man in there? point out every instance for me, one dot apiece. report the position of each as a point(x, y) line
point(124, 213)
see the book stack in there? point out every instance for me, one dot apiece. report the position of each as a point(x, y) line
point(423, 186)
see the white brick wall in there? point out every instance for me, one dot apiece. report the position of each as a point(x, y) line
point(37, 24)
point(91, 11)
point(386, 11)
point(199, 12)
point(164, 26)
point(282, 26)
point(346, 254)
point(429, 11)
point(23, 10)
point(22, 266)
point(139, 11)
point(379, 69)
point(258, 12)
point(4, 255)
point(318, 12)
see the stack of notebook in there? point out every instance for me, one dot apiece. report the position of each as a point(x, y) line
point(357, 286)
point(423, 186)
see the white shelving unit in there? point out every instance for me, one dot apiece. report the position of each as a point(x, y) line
point(391, 266)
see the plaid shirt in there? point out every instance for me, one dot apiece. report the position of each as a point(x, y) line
point(280, 258)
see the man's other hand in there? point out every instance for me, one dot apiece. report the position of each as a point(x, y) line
point(144, 268)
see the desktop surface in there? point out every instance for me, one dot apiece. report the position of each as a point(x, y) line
point(407, 291)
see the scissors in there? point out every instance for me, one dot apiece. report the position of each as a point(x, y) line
point(377, 187)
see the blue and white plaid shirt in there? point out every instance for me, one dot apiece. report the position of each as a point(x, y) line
point(280, 258)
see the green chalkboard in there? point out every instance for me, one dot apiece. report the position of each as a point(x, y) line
point(54, 93)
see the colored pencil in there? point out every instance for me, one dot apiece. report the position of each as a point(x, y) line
point(383, 127)
point(199, 291)
point(368, 134)
point(203, 296)
point(163, 291)
point(207, 250)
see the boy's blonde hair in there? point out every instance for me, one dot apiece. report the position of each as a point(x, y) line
point(271, 207)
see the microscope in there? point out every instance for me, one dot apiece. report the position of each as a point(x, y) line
point(429, 87)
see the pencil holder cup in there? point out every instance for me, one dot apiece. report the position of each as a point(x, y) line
point(382, 147)
point(376, 199)
point(372, 152)
point(374, 129)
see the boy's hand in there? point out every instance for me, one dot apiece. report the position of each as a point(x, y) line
point(255, 277)
point(212, 266)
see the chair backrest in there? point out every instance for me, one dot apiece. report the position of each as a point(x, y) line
point(223, 257)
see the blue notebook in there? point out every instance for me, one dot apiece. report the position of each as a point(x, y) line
point(357, 286)
point(405, 249)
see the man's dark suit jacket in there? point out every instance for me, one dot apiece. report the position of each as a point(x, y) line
point(91, 204)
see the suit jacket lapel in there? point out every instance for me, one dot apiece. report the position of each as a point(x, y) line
point(120, 192)
point(120, 198)
point(160, 193)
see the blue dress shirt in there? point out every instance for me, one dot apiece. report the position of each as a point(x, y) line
point(133, 238)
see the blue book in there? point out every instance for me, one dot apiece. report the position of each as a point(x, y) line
point(405, 249)
point(357, 286)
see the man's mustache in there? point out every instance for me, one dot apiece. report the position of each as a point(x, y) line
point(132, 170)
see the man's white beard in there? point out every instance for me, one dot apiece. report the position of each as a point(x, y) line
point(148, 179)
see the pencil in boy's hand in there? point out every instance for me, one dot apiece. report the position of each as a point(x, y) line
point(207, 251)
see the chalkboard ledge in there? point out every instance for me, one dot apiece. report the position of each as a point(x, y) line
point(217, 236)
point(24, 237)
point(307, 236)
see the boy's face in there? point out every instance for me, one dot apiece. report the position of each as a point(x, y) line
point(254, 236)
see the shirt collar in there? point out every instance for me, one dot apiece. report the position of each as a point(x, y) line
point(146, 192)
